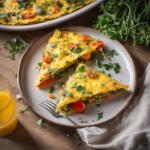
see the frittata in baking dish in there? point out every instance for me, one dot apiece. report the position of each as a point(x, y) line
point(63, 53)
point(24, 12)
point(87, 86)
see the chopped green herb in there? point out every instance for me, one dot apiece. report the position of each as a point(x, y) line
point(49, 123)
point(103, 71)
point(88, 92)
point(40, 10)
point(98, 63)
point(82, 69)
point(15, 75)
point(17, 45)
point(76, 50)
point(68, 54)
point(59, 36)
point(82, 77)
point(40, 122)
point(79, 88)
point(102, 84)
point(3, 15)
point(109, 75)
point(1, 5)
point(22, 111)
point(58, 101)
point(98, 105)
point(113, 53)
point(52, 45)
point(55, 56)
point(51, 90)
point(40, 64)
point(52, 71)
point(22, 5)
point(78, 138)
point(66, 93)
point(115, 66)
point(106, 66)
point(67, 62)
point(100, 115)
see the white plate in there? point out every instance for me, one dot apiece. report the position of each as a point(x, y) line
point(51, 22)
point(111, 108)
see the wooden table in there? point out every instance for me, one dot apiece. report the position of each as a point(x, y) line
point(30, 136)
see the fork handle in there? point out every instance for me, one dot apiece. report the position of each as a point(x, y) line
point(71, 121)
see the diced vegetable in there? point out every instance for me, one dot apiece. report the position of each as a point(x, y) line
point(46, 59)
point(86, 57)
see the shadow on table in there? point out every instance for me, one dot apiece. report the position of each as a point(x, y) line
point(22, 137)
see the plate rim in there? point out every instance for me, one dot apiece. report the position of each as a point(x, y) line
point(73, 126)
point(52, 22)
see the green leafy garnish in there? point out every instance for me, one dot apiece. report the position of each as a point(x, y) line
point(22, 111)
point(115, 66)
point(58, 101)
point(106, 66)
point(22, 5)
point(49, 123)
point(66, 93)
point(113, 53)
point(40, 10)
point(15, 75)
point(102, 84)
point(68, 54)
point(78, 138)
point(17, 45)
point(82, 77)
point(55, 56)
point(88, 92)
point(40, 64)
point(67, 62)
point(40, 122)
point(82, 69)
point(100, 115)
point(103, 71)
point(52, 45)
point(98, 63)
point(3, 15)
point(52, 71)
point(79, 88)
point(76, 50)
point(98, 105)
point(51, 90)
point(109, 75)
point(1, 5)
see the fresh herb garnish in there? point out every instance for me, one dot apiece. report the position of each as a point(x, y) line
point(76, 50)
point(82, 69)
point(58, 101)
point(22, 111)
point(115, 66)
point(109, 75)
point(106, 66)
point(68, 54)
point(17, 45)
point(51, 90)
point(97, 105)
point(52, 45)
point(40, 64)
point(103, 71)
point(113, 53)
point(79, 88)
point(15, 75)
point(55, 56)
point(52, 71)
point(40, 10)
point(78, 138)
point(40, 122)
point(82, 77)
point(1, 5)
point(98, 63)
point(100, 115)
point(66, 93)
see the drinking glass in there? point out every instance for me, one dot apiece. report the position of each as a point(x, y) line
point(8, 115)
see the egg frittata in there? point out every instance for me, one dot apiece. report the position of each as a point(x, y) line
point(64, 51)
point(89, 86)
point(24, 12)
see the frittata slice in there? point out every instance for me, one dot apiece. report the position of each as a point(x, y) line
point(89, 86)
point(25, 12)
point(63, 53)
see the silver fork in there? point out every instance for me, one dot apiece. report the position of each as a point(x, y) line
point(51, 107)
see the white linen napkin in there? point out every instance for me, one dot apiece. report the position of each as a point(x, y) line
point(129, 131)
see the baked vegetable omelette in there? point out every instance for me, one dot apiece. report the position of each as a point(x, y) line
point(24, 12)
point(64, 51)
point(87, 86)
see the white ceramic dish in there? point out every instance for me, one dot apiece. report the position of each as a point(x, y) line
point(111, 108)
point(51, 22)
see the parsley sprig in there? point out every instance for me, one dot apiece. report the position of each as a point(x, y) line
point(16, 44)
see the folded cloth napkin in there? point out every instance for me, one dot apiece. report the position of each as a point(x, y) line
point(131, 130)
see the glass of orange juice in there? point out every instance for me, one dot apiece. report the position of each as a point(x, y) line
point(8, 115)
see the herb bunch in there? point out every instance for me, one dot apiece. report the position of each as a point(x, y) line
point(121, 19)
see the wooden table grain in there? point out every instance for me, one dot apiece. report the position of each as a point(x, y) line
point(28, 135)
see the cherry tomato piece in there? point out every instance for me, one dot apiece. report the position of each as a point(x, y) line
point(79, 106)
point(46, 59)
point(15, 0)
point(73, 45)
point(90, 74)
point(97, 44)
point(84, 38)
point(27, 15)
point(86, 56)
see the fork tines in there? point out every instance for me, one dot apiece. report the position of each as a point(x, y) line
point(47, 105)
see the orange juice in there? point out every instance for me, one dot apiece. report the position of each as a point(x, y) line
point(8, 115)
